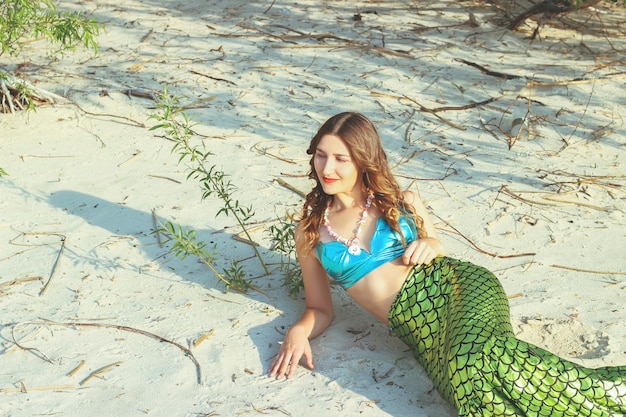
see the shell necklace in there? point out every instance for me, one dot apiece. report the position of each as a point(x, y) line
point(352, 243)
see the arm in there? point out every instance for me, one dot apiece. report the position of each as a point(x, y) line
point(317, 316)
point(422, 251)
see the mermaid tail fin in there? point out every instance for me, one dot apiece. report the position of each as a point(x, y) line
point(515, 378)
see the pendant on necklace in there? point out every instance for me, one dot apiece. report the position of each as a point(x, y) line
point(354, 250)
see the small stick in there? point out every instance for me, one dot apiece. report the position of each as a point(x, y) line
point(488, 71)
point(245, 240)
point(203, 337)
point(212, 78)
point(134, 122)
point(264, 152)
point(7, 95)
point(54, 267)
point(155, 223)
point(287, 174)
point(186, 351)
point(73, 371)
point(135, 155)
point(24, 234)
point(450, 171)
point(574, 81)
point(582, 115)
point(268, 9)
point(589, 270)
point(290, 187)
point(479, 249)
point(578, 203)
point(37, 351)
point(19, 280)
point(505, 189)
point(15, 254)
point(43, 388)
point(49, 156)
point(141, 93)
point(364, 46)
point(98, 372)
point(289, 29)
point(165, 178)
point(421, 108)
point(198, 103)
point(28, 336)
point(147, 36)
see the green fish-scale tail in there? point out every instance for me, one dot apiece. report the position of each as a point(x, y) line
point(454, 316)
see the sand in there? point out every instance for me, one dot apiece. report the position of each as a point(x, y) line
point(99, 319)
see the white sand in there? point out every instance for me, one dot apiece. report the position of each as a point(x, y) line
point(80, 174)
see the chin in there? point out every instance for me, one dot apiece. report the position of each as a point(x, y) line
point(328, 190)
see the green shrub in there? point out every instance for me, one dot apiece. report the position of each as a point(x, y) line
point(24, 20)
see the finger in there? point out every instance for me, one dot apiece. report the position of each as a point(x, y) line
point(293, 365)
point(285, 367)
point(279, 368)
point(423, 255)
point(292, 370)
point(406, 257)
point(275, 366)
point(418, 255)
point(427, 255)
point(409, 253)
point(309, 359)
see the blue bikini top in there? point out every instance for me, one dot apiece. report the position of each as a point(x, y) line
point(386, 245)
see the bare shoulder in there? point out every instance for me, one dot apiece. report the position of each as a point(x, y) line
point(299, 237)
point(304, 252)
point(412, 198)
point(298, 231)
point(409, 196)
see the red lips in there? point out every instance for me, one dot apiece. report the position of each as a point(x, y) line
point(329, 180)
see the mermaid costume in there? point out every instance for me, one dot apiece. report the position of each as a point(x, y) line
point(454, 316)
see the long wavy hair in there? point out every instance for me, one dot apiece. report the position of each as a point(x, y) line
point(366, 151)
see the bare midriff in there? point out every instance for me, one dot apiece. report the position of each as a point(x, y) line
point(377, 290)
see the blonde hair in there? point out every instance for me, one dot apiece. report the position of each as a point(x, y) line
point(366, 150)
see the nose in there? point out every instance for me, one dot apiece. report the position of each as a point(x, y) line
point(328, 167)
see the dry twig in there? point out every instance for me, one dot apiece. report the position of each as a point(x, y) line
point(155, 224)
point(98, 371)
point(488, 71)
point(24, 389)
point(290, 187)
point(438, 109)
point(202, 338)
point(589, 270)
point(186, 351)
point(54, 266)
point(76, 369)
point(475, 246)
point(552, 199)
point(19, 280)
point(36, 351)
point(257, 147)
point(575, 81)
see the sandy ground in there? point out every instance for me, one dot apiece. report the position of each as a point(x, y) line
point(98, 319)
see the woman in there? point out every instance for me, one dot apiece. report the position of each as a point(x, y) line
point(380, 245)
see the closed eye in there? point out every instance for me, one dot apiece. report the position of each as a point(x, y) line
point(338, 157)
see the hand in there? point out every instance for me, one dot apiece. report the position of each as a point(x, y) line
point(422, 251)
point(295, 346)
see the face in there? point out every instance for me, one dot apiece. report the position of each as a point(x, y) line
point(334, 167)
